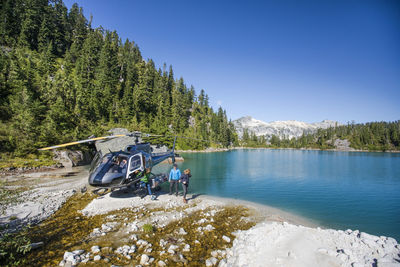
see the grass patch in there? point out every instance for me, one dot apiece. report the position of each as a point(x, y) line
point(31, 160)
point(148, 228)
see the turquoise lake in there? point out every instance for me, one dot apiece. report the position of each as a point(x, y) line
point(341, 190)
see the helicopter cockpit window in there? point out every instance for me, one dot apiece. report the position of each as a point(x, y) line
point(136, 162)
point(118, 165)
point(98, 160)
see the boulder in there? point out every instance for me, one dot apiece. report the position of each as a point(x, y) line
point(144, 259)
point(226, 239)
point(97, 258)
point(72, 158)
point(95, 249)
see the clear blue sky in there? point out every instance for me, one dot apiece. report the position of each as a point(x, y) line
point(273, 60)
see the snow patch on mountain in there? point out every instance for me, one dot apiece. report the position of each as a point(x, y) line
point(282, 129)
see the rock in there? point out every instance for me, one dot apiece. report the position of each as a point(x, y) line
point(161, 263)
point(172, 248)
point(78, 252)
point(163, 243)
point(226, 239)
point(201, 221)
point(222, 263)
point(343, 257)
point(142, 242)
point(182, 231)
point(291, 254)
point(128, 257)
point(186, 248)
point(97, 258)
point(144, 259)
point(209, 227)
point(132, 249)
point(68, 254)
point(197, 242)
point(62, 263)
point(211, 262)
point(388, 264)
point(369, 242)
point(95, 249)
point(36, 245)
point(70, 158)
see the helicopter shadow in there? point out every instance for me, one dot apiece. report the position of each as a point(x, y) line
point(123, 193)
point(129, 193)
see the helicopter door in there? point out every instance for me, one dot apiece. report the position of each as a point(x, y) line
point(135, 164)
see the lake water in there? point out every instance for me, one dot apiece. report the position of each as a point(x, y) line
point(338, 190)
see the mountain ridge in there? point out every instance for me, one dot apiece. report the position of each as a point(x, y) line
point(282, 129)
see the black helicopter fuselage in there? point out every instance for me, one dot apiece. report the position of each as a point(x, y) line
point(124, 168)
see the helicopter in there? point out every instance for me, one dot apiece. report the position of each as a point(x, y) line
point(124, 168)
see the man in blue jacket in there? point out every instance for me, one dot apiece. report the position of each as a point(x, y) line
point(174, 176)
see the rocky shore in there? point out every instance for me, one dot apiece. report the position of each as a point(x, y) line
point(271, 242)
point(121, 229)
point(43, 192)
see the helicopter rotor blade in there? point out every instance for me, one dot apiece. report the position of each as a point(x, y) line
point(83, 141)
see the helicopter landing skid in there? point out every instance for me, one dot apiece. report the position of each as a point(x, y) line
point(100, 191)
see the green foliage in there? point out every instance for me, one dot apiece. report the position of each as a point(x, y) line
point(148, 228)
point(372, 136)
point(62, 80)
point(12, 247)
point(30, 160)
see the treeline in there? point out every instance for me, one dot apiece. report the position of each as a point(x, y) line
point(373, 136)
point(63, 80)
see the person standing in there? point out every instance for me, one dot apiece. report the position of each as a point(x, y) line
point(146, 181)
point(185, 183)
point(174, 176)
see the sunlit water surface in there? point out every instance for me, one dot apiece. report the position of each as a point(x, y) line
point(339, 190)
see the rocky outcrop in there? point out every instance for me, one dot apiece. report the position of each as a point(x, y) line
point(283, 244)
point(72, 158)
point(343, 145)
